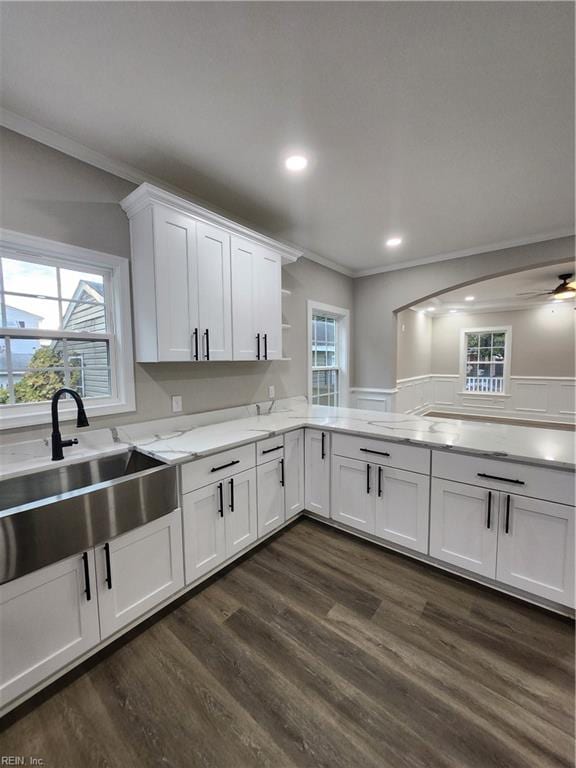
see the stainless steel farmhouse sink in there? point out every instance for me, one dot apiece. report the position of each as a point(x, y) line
point(55, 513)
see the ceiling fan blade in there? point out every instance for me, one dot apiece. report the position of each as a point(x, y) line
point(536, 293)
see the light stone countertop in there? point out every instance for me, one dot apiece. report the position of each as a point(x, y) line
point(183, 438)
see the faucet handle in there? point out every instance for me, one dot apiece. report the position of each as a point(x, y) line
point(68, 443)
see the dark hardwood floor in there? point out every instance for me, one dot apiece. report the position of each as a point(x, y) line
point(320, 650)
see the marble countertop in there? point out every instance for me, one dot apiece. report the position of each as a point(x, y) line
point(183, 438)
point(542, 447)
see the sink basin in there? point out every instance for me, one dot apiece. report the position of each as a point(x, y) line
point(48, 515)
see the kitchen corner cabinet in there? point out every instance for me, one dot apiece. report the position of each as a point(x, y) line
point(317, 476)
point(48, 618)
point(205, 288)
point(294, 472)
point(271, 502)
point(138, 570)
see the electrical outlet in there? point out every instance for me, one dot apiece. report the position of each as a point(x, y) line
point(176, 403)
point(271, 392)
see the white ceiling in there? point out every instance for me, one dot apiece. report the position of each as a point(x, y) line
point(450, 124)
point(501, 293)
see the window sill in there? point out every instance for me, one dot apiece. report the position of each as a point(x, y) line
point(18, 416)
point(484, 394)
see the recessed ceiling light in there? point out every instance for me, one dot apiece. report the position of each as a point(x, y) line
point(469, 298)
point(431, 309)
point(453, 311)
point(296, 163)
point(392, 242)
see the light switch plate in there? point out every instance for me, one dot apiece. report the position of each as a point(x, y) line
point(176, 403)
point(271, 392)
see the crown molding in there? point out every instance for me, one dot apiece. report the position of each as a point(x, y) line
point(328, 263)
point(147, 194)
point(540, 237)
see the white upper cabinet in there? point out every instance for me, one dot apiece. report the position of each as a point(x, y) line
point(205, 288)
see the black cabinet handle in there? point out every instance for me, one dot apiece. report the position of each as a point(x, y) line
point(502, 479)
point(489, 516)
point(507, 523)
point(221, 499)
point(265, 346)
point(378, 453)
point(282, 481)
point(271, 450)
point(87, 589)
point(257, 346)
point(195, 337)
point(379, 482)
point(108, 566)
point(368, 470)
point(207, 334)
point(225, 466)
point(323, 453)
point(231, 505)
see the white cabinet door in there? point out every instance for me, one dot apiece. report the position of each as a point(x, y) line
point(317, 475)
point(175, 269)
point(244, 256)
point(138, 570)
point(464, 526)
point(269, 303)
point(271, 511)
point(241, 513)
point(47, 619)
point(204, 530)
point(294, 472)
point(214, 293)
point(536, 547)
point(353, 496)
point(402, 507)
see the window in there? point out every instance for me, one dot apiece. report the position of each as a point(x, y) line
point(485, 359)
point(64, 322)
point(328, 338)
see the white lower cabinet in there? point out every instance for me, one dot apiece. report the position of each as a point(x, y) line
point(294, 472)
point(464, 526)
point(271, 508)
point(317, 475)
point(536, 547)
point(47, 619)
point(138, 570)
point(402, 507)
point(219, 521)
point(353, 502)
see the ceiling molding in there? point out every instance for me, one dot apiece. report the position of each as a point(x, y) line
point(540, 237)
point(67, 146)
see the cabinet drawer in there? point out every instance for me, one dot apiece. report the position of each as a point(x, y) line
point(382, 452)
point(271, 448)
point(507, 476)
point(210, 469)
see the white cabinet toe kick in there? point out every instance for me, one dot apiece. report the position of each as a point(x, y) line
point(503, 524)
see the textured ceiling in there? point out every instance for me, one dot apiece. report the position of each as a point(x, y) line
point(448, 123)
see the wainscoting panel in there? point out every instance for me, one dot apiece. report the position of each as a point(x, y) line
point(529, 397)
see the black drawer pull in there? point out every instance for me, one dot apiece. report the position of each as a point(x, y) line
point(271, 450)
point(507, 523)
point(378, 453)
point(265, 346)
point(207, 334)
point(368, 469)
point(489, 516)
point(380, 470)
point(221, 499)
point(225, 466)
point(323, 450)
point(87, 590)
point(502, 479)
point(282, 480)
point(108, 566)
point(257, 346)
point(195, 337)
point(231, 494)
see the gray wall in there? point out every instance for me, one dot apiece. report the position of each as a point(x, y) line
point(542, 339)
point(376, 297)
point(48, 194)
point(414, 344)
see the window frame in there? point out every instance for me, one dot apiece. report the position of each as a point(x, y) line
point(342, 317)
point(507, 331)
point(17, 245)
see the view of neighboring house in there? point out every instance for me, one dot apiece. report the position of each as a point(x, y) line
point(21, 349)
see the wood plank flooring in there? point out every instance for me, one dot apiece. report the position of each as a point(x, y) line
point(320, 650)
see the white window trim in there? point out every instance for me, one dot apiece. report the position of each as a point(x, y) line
point(507, 329)
point(343, 317)
point(18, 245)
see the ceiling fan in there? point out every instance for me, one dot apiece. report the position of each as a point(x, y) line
point(566, 289)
